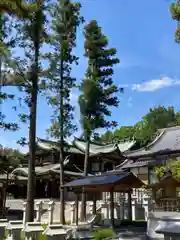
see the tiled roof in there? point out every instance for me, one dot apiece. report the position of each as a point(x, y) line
point(168, 140)
point(44, 170)
point(79, 147)
point(105, 179)
point(50, 145)
point(143, 163)
point(12, 176)
point(104, 149)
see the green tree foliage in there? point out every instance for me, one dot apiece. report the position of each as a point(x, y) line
point(159, 117)
point(66, 19)
point(122, 134)
point(6, 66)
point(175, 12)
point(125, 133)
point(172, 164)
point(108, 137)
point(99, 92)
point(19, 8)
point(9, 159)
point(144, 131)
point(177, 122)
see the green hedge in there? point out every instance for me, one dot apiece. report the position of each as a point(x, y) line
point(103, 234)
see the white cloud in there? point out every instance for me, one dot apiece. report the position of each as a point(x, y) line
point(155, 84)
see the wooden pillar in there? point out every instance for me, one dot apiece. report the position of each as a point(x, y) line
point(94, 204)
point(53, 157)
point(76, 208)
point(53, 187)
point(101, 170)
point(129, 206)
point(112, 207)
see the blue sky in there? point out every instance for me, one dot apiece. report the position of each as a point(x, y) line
point(143, 33)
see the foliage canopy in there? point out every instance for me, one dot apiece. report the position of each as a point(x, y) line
point(173, 165)
point(144, 131)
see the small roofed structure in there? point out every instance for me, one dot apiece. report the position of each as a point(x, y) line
point(118, 181)
point(165, 193)
point(108, 182)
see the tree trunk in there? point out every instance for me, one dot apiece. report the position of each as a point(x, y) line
point(32, 155)
point(5, 195)
point(32, 132)
point(61, 154)
point(83, 197)
point(62, 204)
point(1, 201)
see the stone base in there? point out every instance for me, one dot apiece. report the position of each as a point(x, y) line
point(154, 220)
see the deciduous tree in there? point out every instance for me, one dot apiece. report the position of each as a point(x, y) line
point(173, 165)
point(144, 131)
point(156, 118)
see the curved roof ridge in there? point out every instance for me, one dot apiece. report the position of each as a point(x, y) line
point(157, 138)
point(130, 144)
point(20, 171)
point(98, 149)
point(44, 140)
point(162, 132)
point(91, 142)
point(136, 150)
point(50, 141)
point(121, 165)
point(169, 128)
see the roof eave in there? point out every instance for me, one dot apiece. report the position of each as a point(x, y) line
point(153, 154)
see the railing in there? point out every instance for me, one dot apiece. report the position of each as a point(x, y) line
point(168, 204)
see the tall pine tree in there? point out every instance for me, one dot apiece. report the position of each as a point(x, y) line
point(99, 92)
point(31, 37)
point(66, 19)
